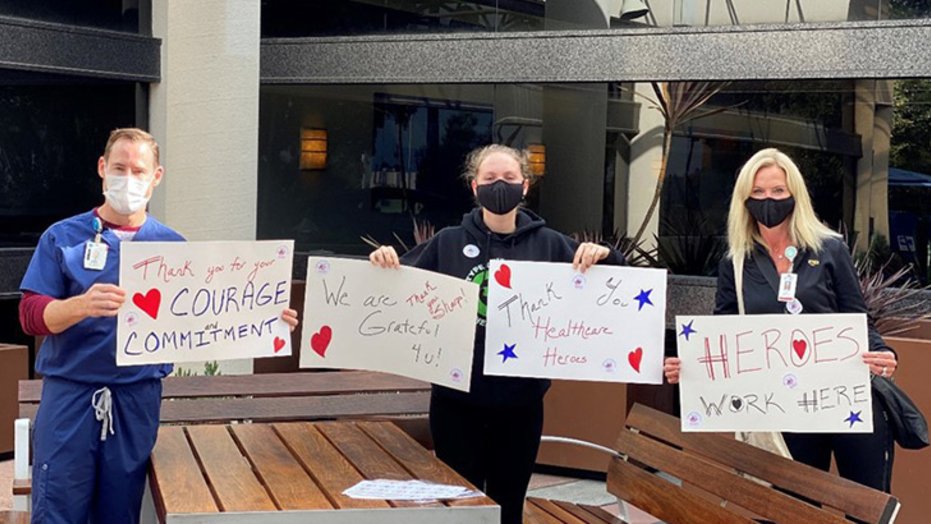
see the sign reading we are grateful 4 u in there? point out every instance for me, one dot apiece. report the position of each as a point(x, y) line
point(547, 320)
point(405, 321)
point(797, 373)
point(194, 301)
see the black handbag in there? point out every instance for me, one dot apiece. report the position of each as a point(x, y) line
point(908, 424)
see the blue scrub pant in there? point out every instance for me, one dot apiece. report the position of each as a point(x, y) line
point(77, 478)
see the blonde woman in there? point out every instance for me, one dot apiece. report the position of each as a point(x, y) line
point(491, 435)
point(772, 229)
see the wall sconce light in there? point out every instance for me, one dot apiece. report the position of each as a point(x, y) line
point(537, 159)
point(313, 149)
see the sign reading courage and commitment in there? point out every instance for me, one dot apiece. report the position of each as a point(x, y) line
point(193, 301)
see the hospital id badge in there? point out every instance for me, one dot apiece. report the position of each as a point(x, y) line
point(787, 283)
point(95, 255)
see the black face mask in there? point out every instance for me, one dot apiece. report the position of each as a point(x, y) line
point(769, 211)
point(499, 197)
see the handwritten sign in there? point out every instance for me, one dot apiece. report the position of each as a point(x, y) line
point(406, 321)
point(798, 373)
point(194, 301)
point(547, 320)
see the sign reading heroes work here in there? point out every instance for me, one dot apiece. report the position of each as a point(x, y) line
point(547, 320)
point(797, 373)
point(405, 321)
point(192, 301)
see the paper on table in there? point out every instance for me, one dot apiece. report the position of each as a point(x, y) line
point(406, 490)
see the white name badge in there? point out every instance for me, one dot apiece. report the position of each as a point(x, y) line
point(95, 255)
point(787, 283)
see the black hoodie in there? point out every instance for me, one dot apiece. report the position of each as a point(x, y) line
point(464, 251)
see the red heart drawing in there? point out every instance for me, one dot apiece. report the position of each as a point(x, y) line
point(634, 357)
point(320, 340)
point(279, 343)
point(503, 276)
point(149, 302)
point(799, 346)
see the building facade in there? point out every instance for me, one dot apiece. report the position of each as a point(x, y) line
point(331, 120)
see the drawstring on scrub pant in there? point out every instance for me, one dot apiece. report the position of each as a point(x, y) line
point(102, 400)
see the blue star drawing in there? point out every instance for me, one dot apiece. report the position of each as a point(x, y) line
point(507, 352)
point(687, 330)
point(643, 298)
point(854, 417)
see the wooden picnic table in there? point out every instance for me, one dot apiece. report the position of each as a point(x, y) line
point(297, 471)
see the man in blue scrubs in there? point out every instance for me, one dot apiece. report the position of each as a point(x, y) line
point(97, 423)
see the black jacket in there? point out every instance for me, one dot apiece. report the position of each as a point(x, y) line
point(827, 283)
point(464, 251)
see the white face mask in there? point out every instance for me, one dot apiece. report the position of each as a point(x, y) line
point(126, 194)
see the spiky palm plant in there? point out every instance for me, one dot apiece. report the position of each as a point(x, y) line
point(679, 103)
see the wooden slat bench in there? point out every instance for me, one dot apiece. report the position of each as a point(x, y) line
point(700, 480)
point(277, 398)
point(545, 511)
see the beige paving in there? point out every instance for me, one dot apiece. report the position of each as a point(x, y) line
point(6, 485)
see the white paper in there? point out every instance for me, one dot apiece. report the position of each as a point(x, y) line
point(406, 490)
point(195, 301)
point(547, 320)
point(406, 321)
point(796, 373)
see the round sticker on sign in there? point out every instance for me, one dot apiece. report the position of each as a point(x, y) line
point(578, 281)
point(470, 250)
point(693, 419)
point(322, 267)
point(282, 252)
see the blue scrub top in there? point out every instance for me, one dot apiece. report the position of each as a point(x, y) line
point(85, 352)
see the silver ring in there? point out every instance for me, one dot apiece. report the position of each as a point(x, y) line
point(884, 371)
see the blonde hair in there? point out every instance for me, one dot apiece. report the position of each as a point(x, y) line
point(805, 230)
point(478, 155)
point(133, 134)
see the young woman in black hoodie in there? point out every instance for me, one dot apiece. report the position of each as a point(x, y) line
point(491, 434)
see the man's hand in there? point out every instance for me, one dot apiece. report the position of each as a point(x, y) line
point(101, 300)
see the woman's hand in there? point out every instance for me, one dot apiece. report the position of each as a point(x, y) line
point(587, 254)
point(671, 368)
point(290, 318)
point(385, 256)
point(882, 363)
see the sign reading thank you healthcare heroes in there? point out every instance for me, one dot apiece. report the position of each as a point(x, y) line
point(548, 320)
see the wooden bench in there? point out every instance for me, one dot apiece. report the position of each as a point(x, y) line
point(264, 398)
point(695, 477)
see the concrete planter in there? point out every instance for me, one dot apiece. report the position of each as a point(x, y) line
point(911, 473)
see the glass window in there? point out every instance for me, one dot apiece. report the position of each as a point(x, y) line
point(51, 136)
point(116, 15)
point(295, 18)
point(394, 155)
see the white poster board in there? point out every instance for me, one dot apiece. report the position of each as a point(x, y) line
point(796, 373)
point(406, 321)
point(196, 301)
point(547, 320)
